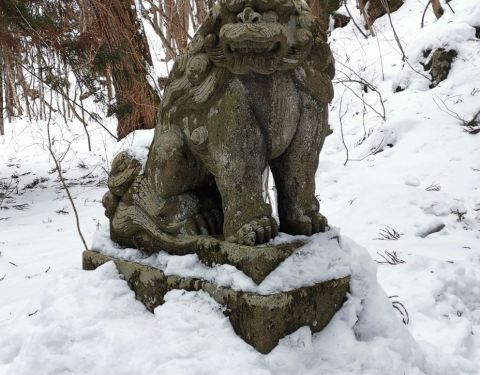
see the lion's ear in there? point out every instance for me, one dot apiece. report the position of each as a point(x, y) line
point(321, 50)
point(322, 58)
point(315, 83)
point(315, 74)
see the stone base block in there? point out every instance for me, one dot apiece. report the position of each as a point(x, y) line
point(260, 320)
point(254, 261)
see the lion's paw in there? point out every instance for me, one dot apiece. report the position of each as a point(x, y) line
point(306, 225)
point(256, 232)
point(206, 223)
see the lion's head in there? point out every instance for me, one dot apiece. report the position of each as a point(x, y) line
point(241, 36)
point(262, 36)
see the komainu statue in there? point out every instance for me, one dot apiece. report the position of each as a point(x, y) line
point(251, 92)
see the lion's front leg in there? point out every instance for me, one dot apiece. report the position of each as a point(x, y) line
point(236, 156)
point(247, 218)
point(294, 173)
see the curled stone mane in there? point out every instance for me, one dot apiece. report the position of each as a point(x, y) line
point(287, 37)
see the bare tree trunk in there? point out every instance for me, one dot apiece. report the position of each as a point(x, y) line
point(9, 73)
point(201, 13)
point(116, 22)
point(323, 9)
point(8, 98)
point(2, 129)
point(437, 8)
point(27, 91)
point(368, 21)
point(41, 106)
point(373, 9)
point(11, 78)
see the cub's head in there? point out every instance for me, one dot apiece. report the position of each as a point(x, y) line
point(262, 36)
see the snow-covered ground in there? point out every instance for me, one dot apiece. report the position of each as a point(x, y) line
point(414, 172)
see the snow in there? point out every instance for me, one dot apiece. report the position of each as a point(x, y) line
point(89, 320)
point(57, 319)
point(137, 144)
point(430, 227)
point(326, 256)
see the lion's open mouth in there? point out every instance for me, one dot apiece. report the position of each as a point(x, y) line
point(253, 48)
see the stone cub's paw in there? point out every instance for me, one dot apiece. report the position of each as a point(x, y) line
point(305, 225)
point(256, 232)
point(206, 223)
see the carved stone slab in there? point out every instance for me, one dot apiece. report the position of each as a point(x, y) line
point(260, 320)
point(255, 261)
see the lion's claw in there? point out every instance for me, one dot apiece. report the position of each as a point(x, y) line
point(256, 232)
point(205, 223)
point(306, 225)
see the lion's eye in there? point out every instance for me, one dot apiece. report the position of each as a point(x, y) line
point(285, 7)
point(235, 6)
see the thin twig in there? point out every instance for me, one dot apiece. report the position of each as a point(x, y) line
point(448, 5)
point(381, 56)
point(400, 307)
point(353, 20)
point(388, 233)
point(382, 115)
point(268, 199)
point(367, 84)
point(390, 258)
point(62, 180)
point(433, 187)
point(424, 13)
point(340, 118)
point(387, 8)
point(65, 96)
point(470, 126)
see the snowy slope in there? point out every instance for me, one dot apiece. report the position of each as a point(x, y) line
point(412, 172)
point(439, 281)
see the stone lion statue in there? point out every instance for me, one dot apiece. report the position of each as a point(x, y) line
point(251, 91)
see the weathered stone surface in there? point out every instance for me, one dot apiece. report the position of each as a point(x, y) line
point(377, 8)
point(251, 92)
point(340, 20)
point(440, 64)
point(330, 6)
point(256, 262)
point(261, 320)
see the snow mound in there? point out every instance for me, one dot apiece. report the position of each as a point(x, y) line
point(86, 321)
point(452, 31)
point(325, 257)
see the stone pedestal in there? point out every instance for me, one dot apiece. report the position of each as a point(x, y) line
point(261, 320)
